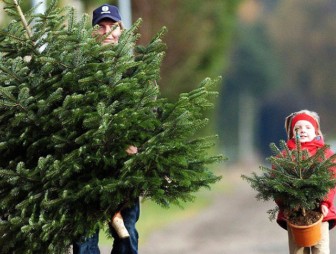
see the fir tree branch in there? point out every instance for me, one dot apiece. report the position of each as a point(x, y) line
point(15, 38)
point(10, 73)
point(23, 19)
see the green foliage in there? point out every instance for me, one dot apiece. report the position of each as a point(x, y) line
point(255, 66)
point(199, 37)
point(254, 71)
point(304, 39)
point(70, 107)
point(296, 180)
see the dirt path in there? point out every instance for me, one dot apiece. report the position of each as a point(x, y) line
point(236, 223)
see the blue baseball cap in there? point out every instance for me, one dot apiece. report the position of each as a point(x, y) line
point(106, 11)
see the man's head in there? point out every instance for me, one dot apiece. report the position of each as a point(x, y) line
point(106, 11)
point(109, 21)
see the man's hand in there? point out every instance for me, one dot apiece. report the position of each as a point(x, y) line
point(132, 150)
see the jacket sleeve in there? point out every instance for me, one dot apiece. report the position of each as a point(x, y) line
point(329, 199)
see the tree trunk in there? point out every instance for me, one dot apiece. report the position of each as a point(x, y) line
point(246, 116)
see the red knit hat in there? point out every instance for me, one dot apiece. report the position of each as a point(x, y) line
point(303, 116)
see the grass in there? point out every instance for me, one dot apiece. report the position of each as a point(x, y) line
point(154, 217)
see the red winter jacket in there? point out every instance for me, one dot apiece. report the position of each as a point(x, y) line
point(312, 148)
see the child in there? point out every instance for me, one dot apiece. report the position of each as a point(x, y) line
point(307, 124)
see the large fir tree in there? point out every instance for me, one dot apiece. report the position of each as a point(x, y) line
point(69, 109)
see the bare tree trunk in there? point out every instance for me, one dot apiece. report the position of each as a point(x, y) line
point(126, 12)
point(246, 116)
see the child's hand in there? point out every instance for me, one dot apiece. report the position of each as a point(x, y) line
point(324, 210)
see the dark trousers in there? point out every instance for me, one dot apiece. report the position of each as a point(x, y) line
point(120, 246)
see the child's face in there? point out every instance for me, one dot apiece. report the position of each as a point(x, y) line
point(306, 131)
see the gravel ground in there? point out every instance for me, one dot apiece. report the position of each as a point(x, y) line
point(235, 223)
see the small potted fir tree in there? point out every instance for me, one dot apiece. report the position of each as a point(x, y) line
point(298, 183)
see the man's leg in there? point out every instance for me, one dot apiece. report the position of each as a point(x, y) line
point(88, 245)
point(127, 245)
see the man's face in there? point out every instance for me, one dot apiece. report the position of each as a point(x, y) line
point(110, 28)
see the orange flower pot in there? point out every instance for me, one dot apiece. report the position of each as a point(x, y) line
point(306, 236)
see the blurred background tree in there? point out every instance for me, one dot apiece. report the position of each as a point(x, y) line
point(283, 61)
point(303, 34)
point(198, 39)
point(253, 72)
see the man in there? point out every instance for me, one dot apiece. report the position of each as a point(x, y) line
point(108, 19)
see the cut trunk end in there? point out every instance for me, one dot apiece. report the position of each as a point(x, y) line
point(117, 223)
